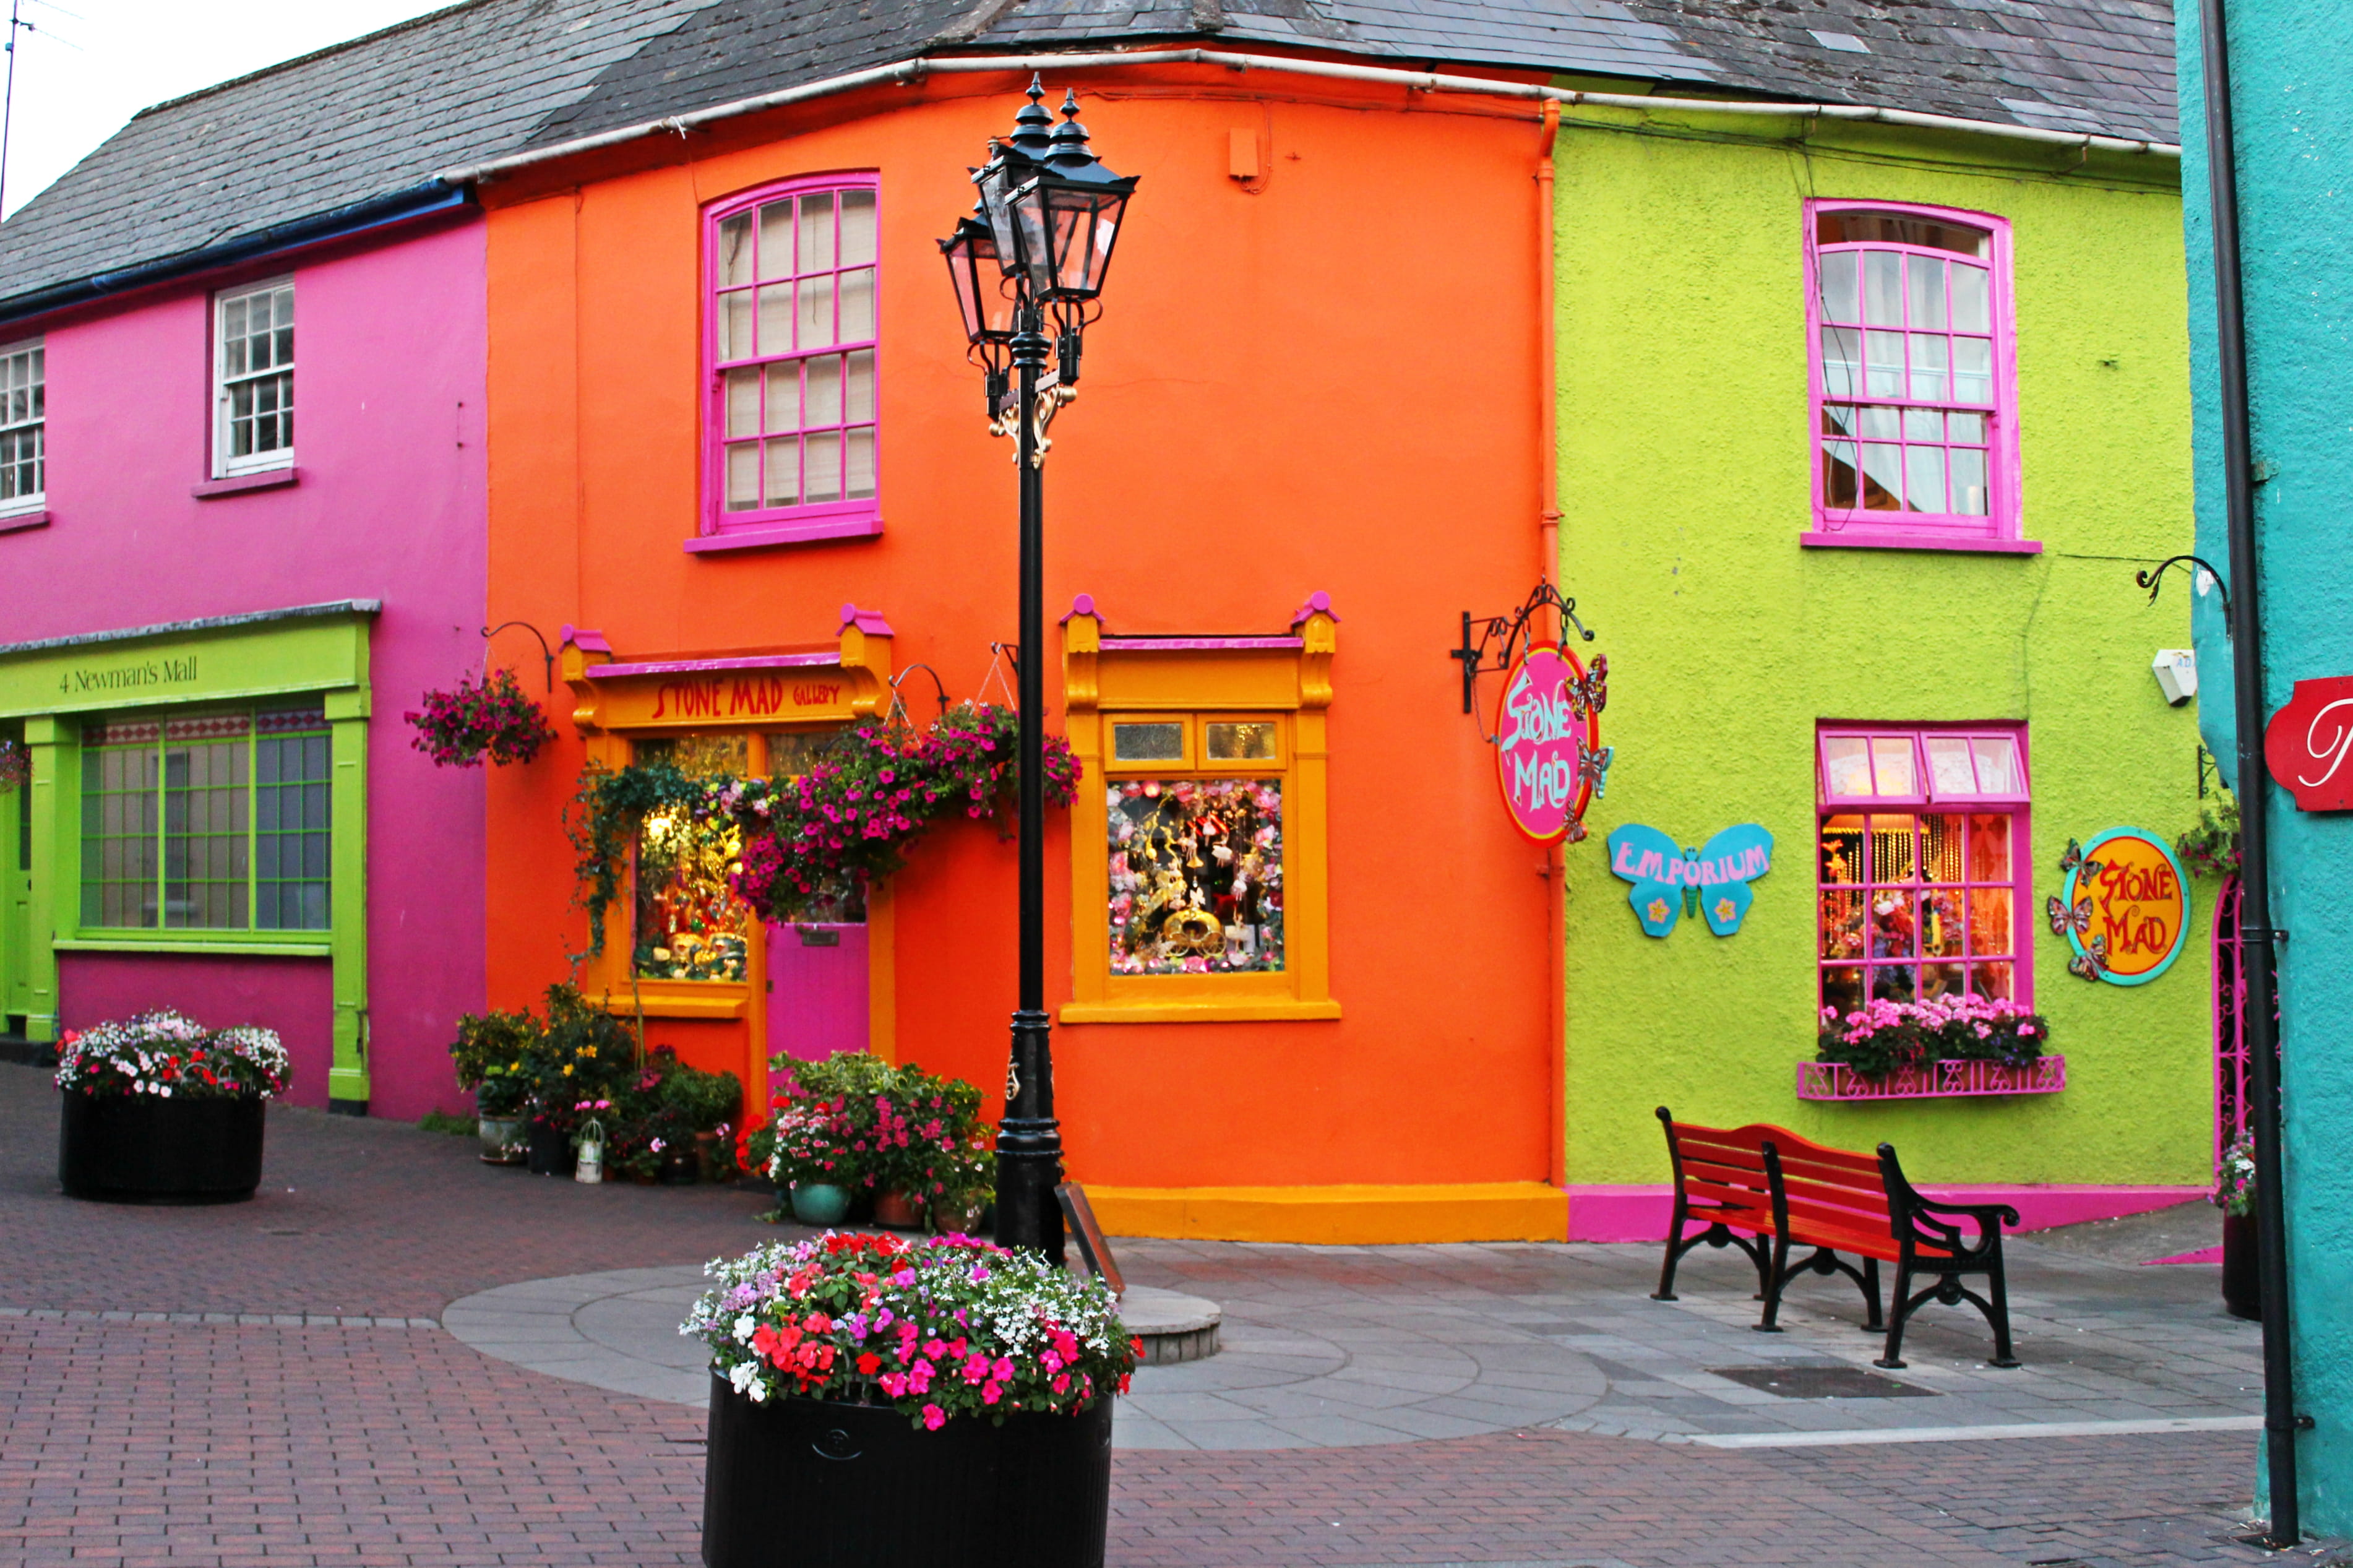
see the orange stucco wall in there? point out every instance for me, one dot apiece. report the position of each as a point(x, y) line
point(1328, 383)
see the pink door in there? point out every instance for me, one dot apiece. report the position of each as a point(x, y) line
point(816, 990)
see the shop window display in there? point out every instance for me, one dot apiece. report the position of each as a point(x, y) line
point(1195, 873)
point(688, 923)
point(1919, 904)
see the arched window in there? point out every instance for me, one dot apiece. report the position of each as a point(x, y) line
point(1913, 392)
point(790, 438)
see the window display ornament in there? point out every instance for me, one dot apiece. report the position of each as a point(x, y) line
point(2123, 908)
point(1668, 882)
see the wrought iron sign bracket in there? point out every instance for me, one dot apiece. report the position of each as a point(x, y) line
point(2153, 580)
point(1506, 636)
point(547, 654)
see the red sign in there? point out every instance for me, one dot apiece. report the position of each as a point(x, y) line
point(2308, 745)
point(1545, 728)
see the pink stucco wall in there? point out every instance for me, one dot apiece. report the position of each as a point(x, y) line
point(296, 996)
point(389, 353)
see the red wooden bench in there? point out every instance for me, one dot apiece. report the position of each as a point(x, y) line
point(1835, 1201)
point(1720, 1185)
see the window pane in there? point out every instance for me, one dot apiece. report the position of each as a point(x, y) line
point(1922, 425)
point(1971, 311)
point(1925, 478)
point(790, 751)
point(1846, 760)
point(816, 233)
point(689, 924)
point(1989, 928)
point(785, 395)
point(1948, 766)
point(1882, 470)
point(743, 477)
point(1882, 354)
point(1839, 475)
point(744, 402)
point(1240, 741)
point(1843, 991)
point(1989, 848)
point(1891, 765)
point(1195, 876)
point(1892, 982)
point(857, 228)
point(1882, 288)
point(821, 472)
point(1892, 842)
point(1147, 742)
point(1927, 278)
point(1991, 981)
point(775, 318)
point(1941, 838)
point(858, 395)
point(824, 391)
point(1838, 286)
point(735, 325)
point(1931, 360)
point(817, 313)
point(1998, 769)
point(857, 463)
point(1942, 928)
point(1842, 362)
point(1969, 495)
point(1880, 424)
point(1841, 925)
point(777, 240)
point(1972, 370)
point(736, 248)
point(857, 305)
point(1838, 419)
point(1967, 426)
point(784, 481)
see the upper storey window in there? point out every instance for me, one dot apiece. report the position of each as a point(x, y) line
point(24, 413)
point(253, 378)
point(1913, 397)
point(792, 414)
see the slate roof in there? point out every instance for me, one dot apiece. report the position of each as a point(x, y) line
point(382, 113)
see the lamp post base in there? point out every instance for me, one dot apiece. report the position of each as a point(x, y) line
point(1030, 1145)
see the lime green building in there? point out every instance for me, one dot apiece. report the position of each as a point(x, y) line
point(1863, 430)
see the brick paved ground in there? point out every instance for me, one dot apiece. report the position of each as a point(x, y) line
point(225, 1443)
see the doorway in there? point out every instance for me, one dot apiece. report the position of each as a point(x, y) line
point(817, 989)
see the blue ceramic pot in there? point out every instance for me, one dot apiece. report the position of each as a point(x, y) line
point(819, 1203)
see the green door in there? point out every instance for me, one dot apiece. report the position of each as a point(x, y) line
point(16, 904)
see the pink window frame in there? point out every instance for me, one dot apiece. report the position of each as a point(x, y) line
point(1927, 801)
point(720, 529)
point(2000, 531)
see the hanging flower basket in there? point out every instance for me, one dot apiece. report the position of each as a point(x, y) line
point(161, 1110)
point(875, 1402)
point(496, 719)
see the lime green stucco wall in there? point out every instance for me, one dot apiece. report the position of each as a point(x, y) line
point(1685, 487)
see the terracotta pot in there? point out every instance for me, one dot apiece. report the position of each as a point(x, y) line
point(893, 1209)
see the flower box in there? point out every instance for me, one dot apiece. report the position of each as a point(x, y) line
point(141, 1149)
point(1932, 1080)
point(814, 1483)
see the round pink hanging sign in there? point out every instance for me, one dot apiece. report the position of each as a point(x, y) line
point(1545, 727)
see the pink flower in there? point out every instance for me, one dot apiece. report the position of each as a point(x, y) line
point(934, 1418)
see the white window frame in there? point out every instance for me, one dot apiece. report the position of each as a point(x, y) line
point(225, 466)
point(36, 350)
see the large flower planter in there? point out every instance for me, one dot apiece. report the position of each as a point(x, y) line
point(2242, 1287)
point(806, 1483)
point(155, 1149)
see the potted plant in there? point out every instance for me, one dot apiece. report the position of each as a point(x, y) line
point(162, 1109)
point(2235, 1195)
point(881, 1401)
point(492, 1055)
point(810, 1160)
point(583, 1055)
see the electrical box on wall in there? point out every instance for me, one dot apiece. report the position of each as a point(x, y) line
point(2176, 674)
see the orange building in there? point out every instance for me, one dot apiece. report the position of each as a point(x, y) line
point(737, 453)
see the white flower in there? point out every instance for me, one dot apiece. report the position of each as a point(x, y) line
point(744, 1326)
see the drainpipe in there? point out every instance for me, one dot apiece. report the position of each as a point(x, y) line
point(1548, 563)
point(2256, 934)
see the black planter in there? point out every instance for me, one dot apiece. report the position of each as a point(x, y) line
point(805, 1483)
point(145, 1149)
point(2243, 1290)
point(550, 1151)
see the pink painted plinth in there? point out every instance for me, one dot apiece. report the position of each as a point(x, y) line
point(1599, 1213)
point(1931, 1080)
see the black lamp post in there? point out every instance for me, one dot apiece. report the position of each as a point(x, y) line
point(1040, 247)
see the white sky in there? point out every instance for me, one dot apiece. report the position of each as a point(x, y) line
point(89, 65)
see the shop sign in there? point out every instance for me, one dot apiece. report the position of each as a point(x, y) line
point(1549, 759)
point(1711, 882)
point(140, 673)
point(2308, 745)
point(2123, 908)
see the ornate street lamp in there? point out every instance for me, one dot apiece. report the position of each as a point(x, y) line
point(1049, 216)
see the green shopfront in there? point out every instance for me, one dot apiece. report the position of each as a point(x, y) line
point(193, 832)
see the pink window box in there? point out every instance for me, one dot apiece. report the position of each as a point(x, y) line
point(1933, 1080)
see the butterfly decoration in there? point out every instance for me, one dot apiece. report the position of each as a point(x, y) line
point(2092, 963)
point(1670, 883)
point(1595, 764)
point(1590, 693)
point(2065, 919)
point(2074, 861)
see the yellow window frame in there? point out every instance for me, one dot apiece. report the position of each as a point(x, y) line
point(1199, 682)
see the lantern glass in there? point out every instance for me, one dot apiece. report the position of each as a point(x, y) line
point(996, 183)
point(1067, 233)
point(971, 254)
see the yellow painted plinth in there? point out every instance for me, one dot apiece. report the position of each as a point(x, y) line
point(1351, 1215)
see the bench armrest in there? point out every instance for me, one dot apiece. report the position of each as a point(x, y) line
point(1910, 1206)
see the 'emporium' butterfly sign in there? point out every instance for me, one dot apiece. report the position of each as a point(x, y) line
point(1549, 759)
point(2125, 908)
point(1668, 882)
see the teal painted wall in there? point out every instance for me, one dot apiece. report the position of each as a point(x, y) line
point(2293, 115)
point(1684, 481)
